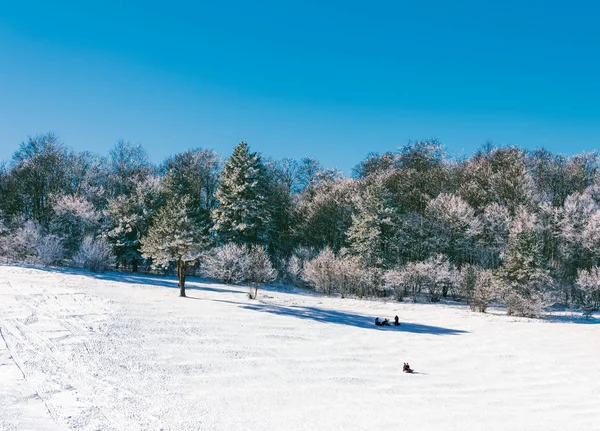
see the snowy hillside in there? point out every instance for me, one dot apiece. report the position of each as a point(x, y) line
point(123, 352)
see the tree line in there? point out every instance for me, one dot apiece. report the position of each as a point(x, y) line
point(505, 225)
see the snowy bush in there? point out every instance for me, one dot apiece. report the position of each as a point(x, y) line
point(485, 291)
point(346, 275)
point(26, 239)
point(395, 280)
point(589, 290)
point(520, 305)
point(478, 286)
point(50, 250)
point(94, 255)
point(260, 269)
point(234, 263)
point(293, 270)
point(229, 263)
point(353, 277)
point(293, 267)
point(320, 272)
point(434, 277)
point(467, 280)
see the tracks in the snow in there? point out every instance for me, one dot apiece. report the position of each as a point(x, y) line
point(59, 368)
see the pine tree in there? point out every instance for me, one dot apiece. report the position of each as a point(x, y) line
point(128, 218)
point(523, 272)
point(173, 237)
point(371, 234)
point(242, 214)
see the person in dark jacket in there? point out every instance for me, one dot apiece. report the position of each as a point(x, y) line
point(396, 321)
point(406, 368)
point(377, 322)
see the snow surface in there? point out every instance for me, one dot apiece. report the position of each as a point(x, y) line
point(124, 352)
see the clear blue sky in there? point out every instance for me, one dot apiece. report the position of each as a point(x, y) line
point(331, 79)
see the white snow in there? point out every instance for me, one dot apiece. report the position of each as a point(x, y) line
point(124, 352)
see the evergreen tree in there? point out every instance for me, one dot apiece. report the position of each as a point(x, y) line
point(128, 218)
point(174, 238)
point(242, 214)
point(523, 272)
point(373, 228)
point(194, 173)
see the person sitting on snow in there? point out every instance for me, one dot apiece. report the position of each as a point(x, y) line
point(406, 368)
point(377, 322)
point(385, 322)
point(396, 321)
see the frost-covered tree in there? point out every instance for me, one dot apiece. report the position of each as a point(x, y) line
point(294, 267)
point(523, 272)
point(87, 176)
point(374, 165)
point(174, 238)
point(72, 219)
point(261, 270)
point(497, 175)
point(282, 187)
point(420, 174)
point(39, 168)
point(128, 165)
point(575, 215)
point(485, 291)
point(25, 239)
point(320, 272)
point(194, 173)
point(588, 282)
point(128, 218)
point(374, 226)
point(242, 214)
point(493, 236)
point(591, 237)
point(10, 195)
point(324, 216)
point(456, 226)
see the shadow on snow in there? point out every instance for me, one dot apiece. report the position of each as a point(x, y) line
point(192, 283)
point(350, 319)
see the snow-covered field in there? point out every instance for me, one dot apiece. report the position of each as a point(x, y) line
point(123, 352)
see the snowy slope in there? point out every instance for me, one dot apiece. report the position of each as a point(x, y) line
point(122, 352)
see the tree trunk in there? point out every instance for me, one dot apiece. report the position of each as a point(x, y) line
point(181, 267)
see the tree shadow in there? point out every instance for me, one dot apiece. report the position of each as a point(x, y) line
point(170, 281)
point(349, 319)
point(577, 319)
point(142, 279)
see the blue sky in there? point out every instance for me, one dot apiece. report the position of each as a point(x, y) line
point(334, 80)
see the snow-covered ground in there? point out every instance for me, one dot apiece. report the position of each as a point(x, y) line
point(123, 352)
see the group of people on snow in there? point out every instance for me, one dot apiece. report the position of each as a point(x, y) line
point(386, 322)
